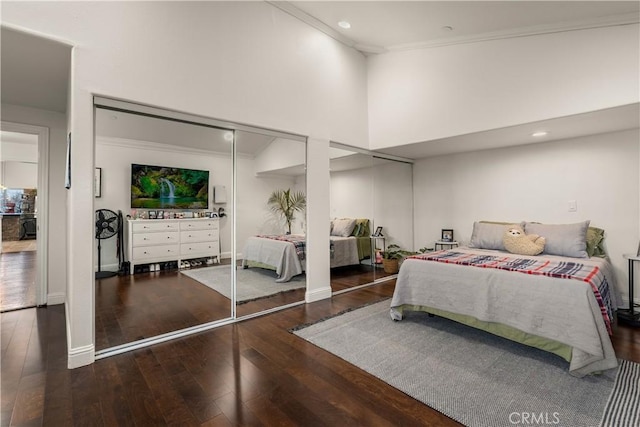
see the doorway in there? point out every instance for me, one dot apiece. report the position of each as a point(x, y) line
point(23, 215)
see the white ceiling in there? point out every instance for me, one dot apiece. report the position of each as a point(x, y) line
point(592, 123)
point(379, 26)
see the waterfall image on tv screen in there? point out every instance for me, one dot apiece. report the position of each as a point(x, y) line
point(158, 187)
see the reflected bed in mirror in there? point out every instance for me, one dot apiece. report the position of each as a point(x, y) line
point(364, 185)
point(271, 201)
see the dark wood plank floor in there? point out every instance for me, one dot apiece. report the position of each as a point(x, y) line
point(17, 280)
point(130, 308)
point(251, 373)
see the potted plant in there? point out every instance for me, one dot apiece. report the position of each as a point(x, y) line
point(285, 203)
point(390, 258)
point(393, 256)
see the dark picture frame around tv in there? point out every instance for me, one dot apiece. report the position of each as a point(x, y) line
point(163, 187)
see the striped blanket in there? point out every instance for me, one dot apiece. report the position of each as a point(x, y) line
point(298, 241)
point(543, 267)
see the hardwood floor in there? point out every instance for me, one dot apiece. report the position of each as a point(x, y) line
point(144, 305)
point(17, 280)
point(251, 373)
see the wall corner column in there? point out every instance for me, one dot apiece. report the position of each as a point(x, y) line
point(318, 261)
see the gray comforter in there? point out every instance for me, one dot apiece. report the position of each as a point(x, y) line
point(282, 256)
point(564, 310)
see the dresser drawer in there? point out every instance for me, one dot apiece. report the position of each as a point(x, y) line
point(198, 236)
point(204, 224)
point(199, 249)
point(157, 238)
point(152, 226)
point(151, 252)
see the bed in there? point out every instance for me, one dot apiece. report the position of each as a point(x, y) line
point(286, 254)
point(559, 304)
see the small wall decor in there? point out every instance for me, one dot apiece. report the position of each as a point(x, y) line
point(67, 175)
point(152, 214)
point(447, 235)
point(97, 183)
point(160, 215)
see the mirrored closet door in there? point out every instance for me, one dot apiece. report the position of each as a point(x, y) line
point(371, 212)
point(164, 233)
point(270, 215)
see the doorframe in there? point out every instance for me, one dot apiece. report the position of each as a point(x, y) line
point(42, 230)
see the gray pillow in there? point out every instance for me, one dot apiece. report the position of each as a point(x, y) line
point(343, 227)
point(562, 239)
point(489, 236)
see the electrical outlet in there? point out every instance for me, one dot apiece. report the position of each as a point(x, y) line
point(573, 206)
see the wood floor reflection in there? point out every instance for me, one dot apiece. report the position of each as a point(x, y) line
point(143, 305)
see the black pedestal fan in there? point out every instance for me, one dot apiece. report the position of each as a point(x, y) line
point(107, 226)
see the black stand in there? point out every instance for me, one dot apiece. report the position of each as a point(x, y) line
point(103, 274)
point(630, 316)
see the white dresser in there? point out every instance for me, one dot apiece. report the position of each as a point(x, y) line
point(163, 240)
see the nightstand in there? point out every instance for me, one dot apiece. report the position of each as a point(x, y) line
point(445, 245)
point(630, 316)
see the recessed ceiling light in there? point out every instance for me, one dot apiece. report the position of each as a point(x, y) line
point(540, 133)
point(344, 24)
point(228, 136)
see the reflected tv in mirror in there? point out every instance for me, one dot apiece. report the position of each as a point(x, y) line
point(155, 187)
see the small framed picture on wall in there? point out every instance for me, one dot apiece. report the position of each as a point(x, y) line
point(447, 235)
point(97, 182)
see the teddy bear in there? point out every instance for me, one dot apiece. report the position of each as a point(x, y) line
point(516, 242)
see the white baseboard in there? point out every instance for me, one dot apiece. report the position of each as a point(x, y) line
point(80, 356)
point(56, 298)
point(317, 294)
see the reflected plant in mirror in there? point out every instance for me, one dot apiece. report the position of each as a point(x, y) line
point(286, 203)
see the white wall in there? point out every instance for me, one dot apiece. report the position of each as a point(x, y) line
point(253, 214)
point(280, 154)
point(382, 193)
point(242, 61)
point(57, 238)
point(424, 94)
point(393, 197)
point(352, 194)
point(15, 151)
point(534, 183)
point(19, 175)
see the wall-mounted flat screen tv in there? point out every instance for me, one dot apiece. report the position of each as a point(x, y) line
point(155, 187)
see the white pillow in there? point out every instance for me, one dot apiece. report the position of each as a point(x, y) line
point(343, 227)
point(489, 236)
point(562, 239)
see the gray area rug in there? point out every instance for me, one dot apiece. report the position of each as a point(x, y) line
point(471, 376)
point(252, 283)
